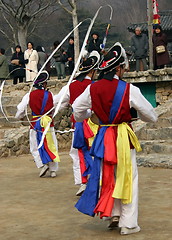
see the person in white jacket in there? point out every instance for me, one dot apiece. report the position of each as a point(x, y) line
point(31, 56)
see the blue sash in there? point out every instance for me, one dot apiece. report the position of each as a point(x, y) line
point(42, 152)
point(80, 143)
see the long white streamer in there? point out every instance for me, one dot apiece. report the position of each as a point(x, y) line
point(73, 74)
point(70, 80)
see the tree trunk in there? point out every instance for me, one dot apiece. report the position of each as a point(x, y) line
point(150, 32)
point(22, 34)
point(76, 32)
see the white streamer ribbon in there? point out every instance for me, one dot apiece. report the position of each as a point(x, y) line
point(72, 76)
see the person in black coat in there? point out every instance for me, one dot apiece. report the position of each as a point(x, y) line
point(71, 55)
point(94, 43)
point(160, 59)
point(18, 63)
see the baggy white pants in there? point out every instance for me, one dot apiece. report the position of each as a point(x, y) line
point(76, 163)
point(128, 213)
point(53, 166)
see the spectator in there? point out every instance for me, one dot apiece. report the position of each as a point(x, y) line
point(4, 70)
point(94, 43)
point(18, 65)
point(31, 56)
point(60, 59)
point(139, 46)
point(160, 53)
point(71, 55)
point(42, 57)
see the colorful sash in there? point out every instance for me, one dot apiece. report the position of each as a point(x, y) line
point(105, 147)
point(84, 131)
point(47, 151)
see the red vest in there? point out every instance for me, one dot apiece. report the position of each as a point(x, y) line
point(35, 102)
point(76, 88)
point(102, 94)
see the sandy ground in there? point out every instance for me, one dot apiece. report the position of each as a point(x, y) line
point(33, 208)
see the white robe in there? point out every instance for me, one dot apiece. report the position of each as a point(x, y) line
point(128, 213)
point(33, 58)
point(73, 151)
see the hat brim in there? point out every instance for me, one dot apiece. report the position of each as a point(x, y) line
point(94, 55)
point(114, 61)
point(41, 78)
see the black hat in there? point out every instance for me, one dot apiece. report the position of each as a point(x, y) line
point(95, 33)
point(115, 56)
point(90, 63)
point(157, 26)
point(41, 78)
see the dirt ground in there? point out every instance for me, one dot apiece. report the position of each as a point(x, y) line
point(33, 208)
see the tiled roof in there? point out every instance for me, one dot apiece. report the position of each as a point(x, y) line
point(166, 22)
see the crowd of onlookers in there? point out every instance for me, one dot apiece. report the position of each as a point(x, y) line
point(25, 65)
point(140, 49)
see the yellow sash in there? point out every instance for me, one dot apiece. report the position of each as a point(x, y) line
point(94, 128)
point(123, 186)
point(50, 142)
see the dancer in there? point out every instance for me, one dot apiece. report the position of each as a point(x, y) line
point(85, 131)
point(40, 102)
point(115, 144)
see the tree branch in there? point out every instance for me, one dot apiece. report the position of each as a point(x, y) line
point(6, 36)
point(7, 8)
point(23, 6)
point(7, 21)
point(71, 4)
point(67, 10)
point(41, 9)
point(36, 23)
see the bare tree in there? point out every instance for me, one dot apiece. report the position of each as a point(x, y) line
point(22, 16)
point(73, 13)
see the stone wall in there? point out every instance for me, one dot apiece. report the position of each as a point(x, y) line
point(15, 141)
point(163, 92)
point(14, 138)
point(162, 78)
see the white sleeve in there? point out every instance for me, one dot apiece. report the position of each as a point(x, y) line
point(145, 110)
point(22, 106)
point(82, 106)
point(66, 98)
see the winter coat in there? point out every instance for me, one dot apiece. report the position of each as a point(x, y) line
point(160, 58)
point(70, 51)
point(19, 72)
point(59, 56)
point(42, 57)
point(139, 46)
point(94, 45)
point(32, 57)
point(4, 69)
